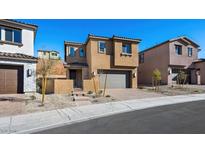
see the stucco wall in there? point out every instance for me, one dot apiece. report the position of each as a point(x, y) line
point(27, 41)
point(88, 85)
point(63, 86)
point(125, 60)
point(156, 58)
point(201, 66)
point(29, 82)
point(183, 59)
point(77, 57)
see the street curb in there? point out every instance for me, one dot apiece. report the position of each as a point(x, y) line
point(129, 109)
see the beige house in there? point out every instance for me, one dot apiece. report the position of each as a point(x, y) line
point(114, 58)
point(48, 54)
point(169, 58)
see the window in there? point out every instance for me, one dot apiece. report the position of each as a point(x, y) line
point(13, 35)
point(54, 54)
point(189, 52)
point(102, 47)
point(8, 35)
point(72, 52)
point(141, 58)
point(82, 52)
point(17, 36)
point(178, 49)
point(126, 48)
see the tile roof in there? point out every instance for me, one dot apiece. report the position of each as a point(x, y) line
point(74, 43)
point(20, 22)
point(41, 50)
point(171, 40)
point(125, 38)
point(17, 56)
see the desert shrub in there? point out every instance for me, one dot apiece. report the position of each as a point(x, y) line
point(90, 92)
point(100, 92)
point(156, 76)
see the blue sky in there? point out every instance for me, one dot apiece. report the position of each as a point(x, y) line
point(52, 33)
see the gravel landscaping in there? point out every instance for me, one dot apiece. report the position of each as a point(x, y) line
point(177, 90)
point(22, 104)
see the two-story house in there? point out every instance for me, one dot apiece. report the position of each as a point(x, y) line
point(169, 58)
point(114, 58)
point(17, 61)
point(48, 54)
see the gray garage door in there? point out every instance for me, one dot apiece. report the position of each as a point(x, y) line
point(115, 79)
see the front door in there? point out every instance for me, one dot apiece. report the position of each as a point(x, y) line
point(73, 77)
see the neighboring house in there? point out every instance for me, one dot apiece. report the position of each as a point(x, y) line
point(57, 71)
point(17, 61)
point(199, 72)
point(169, 58)
point(48, 54)
point(115, 56)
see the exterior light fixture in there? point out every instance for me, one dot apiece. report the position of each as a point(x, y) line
point(94, 74)
point(29, 72)
point(134, 75)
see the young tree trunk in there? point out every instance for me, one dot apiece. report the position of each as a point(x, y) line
point(44, 84)
point(185, 80)
point(105, 84)
point(94, 86)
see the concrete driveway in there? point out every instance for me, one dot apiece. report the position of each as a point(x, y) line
point(127, 94)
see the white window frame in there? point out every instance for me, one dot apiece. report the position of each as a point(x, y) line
point(191, 51)
point(99, 47)
point(80, 51)
point(69, 51)
point(12, 31)
point(125, 53)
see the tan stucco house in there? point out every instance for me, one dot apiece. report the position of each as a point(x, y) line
point(169, 58)
point(97, 56)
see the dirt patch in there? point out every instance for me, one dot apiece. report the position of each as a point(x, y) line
point(177, 90)
point(27, 104)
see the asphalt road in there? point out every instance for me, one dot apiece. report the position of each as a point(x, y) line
point(186, 118)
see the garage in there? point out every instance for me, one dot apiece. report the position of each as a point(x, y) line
point(115, 79)
point(11, 79)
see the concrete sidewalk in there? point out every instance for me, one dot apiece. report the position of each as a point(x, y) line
point(43, 120)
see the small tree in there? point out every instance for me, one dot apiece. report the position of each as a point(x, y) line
point(156, 76)
point(181, 78)
point(43, 70)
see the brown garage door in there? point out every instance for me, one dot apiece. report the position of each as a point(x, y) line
point(11, 79)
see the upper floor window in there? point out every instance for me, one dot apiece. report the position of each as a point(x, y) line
point(17, 36)
point(13, 35)
point(102, 46)
point(178, 49)
point(189, 52)
point(141, 58)
point(8, 35)
point(126, 48)
point(81, 52)
point(54, 54)
point(72, 52)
